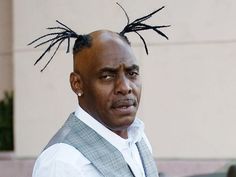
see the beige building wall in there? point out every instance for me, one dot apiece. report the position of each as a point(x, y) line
point(6, 78)
point(188, 100)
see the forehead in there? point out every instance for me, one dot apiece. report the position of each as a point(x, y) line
point(111, 50)
point(108, 49)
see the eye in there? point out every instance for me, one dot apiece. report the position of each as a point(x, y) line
point(133, 73)
point(107, 76)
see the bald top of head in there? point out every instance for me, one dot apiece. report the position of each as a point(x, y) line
point(102, 42)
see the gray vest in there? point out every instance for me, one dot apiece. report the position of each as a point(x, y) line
point(103, 155)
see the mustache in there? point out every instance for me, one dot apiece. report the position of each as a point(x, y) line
point(124, 102)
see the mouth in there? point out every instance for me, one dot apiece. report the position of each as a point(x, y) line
point(124, 106)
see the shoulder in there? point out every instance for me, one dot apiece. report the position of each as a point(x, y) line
point(59, 159)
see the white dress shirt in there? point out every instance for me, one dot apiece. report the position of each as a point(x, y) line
point(63, 160)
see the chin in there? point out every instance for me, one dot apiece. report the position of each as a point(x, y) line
point(125, 123)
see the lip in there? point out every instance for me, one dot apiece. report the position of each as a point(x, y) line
point(124, 106)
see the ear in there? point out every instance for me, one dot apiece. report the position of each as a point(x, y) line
point(76, 83)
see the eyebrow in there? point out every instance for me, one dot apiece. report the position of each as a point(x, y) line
point(114, 70)
point(133, 67)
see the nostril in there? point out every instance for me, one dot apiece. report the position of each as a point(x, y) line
point(123, 89)
point(129, 91)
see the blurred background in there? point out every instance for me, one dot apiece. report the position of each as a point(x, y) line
point(189, 82)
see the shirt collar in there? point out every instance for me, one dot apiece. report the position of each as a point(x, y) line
point(135, 131)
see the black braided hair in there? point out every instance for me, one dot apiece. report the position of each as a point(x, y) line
point(58, 38)
point(137, 25)
point(63, 32)
point(81, 42)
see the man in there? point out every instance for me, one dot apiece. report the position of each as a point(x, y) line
point(102, 137)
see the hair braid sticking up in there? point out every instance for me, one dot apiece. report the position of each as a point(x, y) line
point(63, 32)
point(55, 38)
point(138, 25)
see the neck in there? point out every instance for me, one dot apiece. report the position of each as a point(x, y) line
point(122, 133)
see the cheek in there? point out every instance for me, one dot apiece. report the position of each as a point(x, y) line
point(138, 89)
point(102, 95)
point(102, 104)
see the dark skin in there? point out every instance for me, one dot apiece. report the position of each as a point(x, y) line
point(107, 76)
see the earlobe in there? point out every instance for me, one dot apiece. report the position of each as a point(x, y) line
point(76, 83)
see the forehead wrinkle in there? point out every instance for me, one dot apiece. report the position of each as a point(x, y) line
point(118, 68)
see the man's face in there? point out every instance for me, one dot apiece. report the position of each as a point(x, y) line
point(110, 81)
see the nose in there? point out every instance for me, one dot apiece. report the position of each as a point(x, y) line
point(123, 86)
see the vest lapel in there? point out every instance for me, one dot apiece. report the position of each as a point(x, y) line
point(147, 159)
